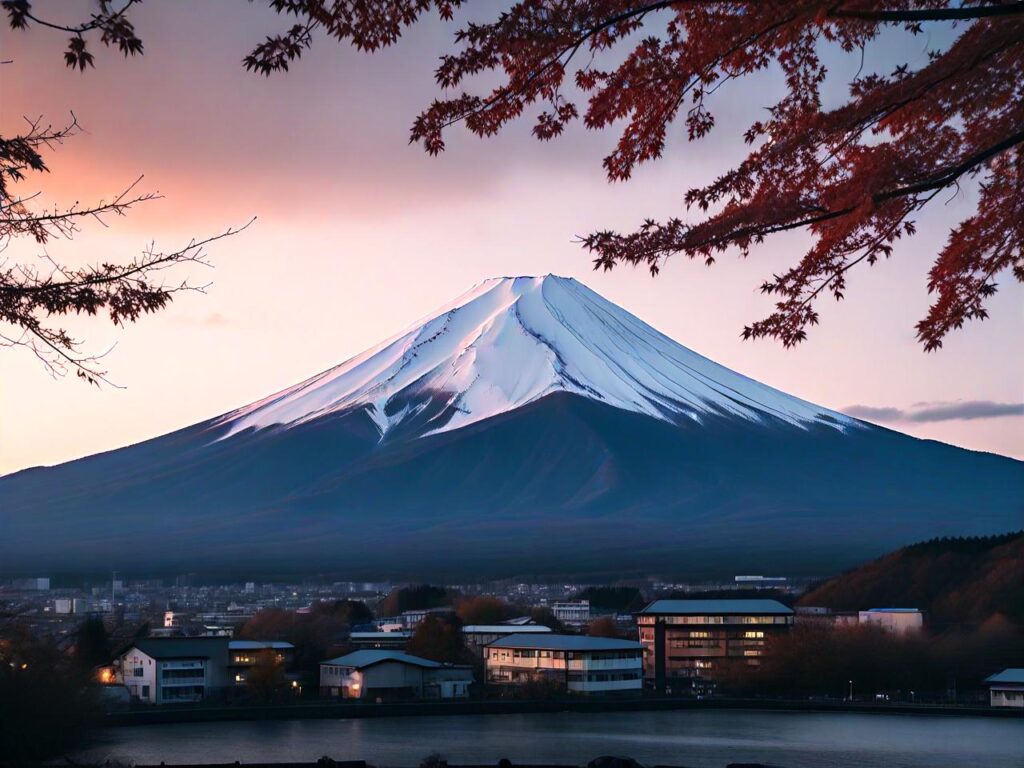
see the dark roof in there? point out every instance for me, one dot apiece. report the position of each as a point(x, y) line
point(180, 647)
point(369, 657)
point(718, 608)
point(1011, 675)
point(260, 645)
point(552, 642)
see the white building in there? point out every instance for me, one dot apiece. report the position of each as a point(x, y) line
point(581, 664)
point(479, 635)
point(379, 674)
point(1006, 688)
point(175, 670)
point(574, 612)
point(899, 621)
point(62, 605)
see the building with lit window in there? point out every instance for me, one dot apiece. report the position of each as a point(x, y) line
point(685, 641)
point(174, 670)
point(579, 664)
point(382, 674)
point(243, 655)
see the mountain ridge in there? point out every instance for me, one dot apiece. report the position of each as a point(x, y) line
point(584, 448)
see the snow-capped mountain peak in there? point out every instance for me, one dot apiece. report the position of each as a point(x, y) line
point(510, 341)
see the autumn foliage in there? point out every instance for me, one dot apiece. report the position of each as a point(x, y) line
point(854, 176)
point(954, 581)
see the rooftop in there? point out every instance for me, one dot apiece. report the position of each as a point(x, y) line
point(181, 647)
point(553, 642)
point(509, 629)
point(892, 610)
point(369, 657)
point(1011, 675)
point(718, 608)
point(259, 645)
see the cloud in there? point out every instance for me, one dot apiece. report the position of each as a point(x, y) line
point(961, 410)
point(873, 414)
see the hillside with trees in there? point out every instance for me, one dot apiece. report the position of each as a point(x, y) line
point(955, 581)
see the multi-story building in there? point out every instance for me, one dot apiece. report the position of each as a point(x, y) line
point(580, 664)
point(572, 612)
point(685, 640)
point(243, 655)
point(174, 670)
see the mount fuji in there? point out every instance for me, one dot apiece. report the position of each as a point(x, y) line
point(529, 428)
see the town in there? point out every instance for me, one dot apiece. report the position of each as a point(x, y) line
point(148, 643)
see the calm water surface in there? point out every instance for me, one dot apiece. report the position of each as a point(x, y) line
point(701, 739)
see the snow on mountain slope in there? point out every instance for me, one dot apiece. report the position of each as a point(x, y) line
point(510, 341)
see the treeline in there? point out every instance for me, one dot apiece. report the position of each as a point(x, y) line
point(956, 581)
point(819, 660)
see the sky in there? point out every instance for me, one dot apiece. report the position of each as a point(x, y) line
point(358, 235)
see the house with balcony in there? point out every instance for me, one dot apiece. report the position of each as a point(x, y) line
point(383, 674)
point(577, 663)
point(686, 641)
point(175, 670)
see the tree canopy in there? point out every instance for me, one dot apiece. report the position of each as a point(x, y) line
point(854, 177)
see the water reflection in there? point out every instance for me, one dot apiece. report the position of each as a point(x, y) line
point(708, 739)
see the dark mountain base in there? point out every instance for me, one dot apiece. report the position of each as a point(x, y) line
point(562, 486)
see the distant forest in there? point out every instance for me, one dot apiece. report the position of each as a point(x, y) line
point(954, 580)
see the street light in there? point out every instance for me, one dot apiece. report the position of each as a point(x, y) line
point(851, 690)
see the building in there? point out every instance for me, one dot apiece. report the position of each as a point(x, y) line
point(1006, 688)
point(479, 635)
point(175, 670)
point(899, 621)
point(580, 664)
point(394, 641)
point(409, 619)
point(572, 612)
point(685, 640)
point(243, 655)
point(39, 584)
point(62, 605)
point(383, 674)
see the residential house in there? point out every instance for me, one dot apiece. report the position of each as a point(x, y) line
point(175, 670)
point(1006, 688)
point(384, 674)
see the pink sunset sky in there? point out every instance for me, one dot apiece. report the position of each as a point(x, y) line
point(359, 234)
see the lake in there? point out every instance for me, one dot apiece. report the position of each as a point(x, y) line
point(698, 738)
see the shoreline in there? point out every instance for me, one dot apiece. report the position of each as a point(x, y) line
point(322, 711)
